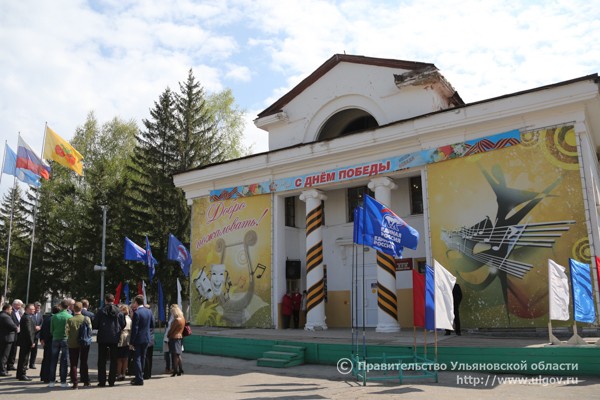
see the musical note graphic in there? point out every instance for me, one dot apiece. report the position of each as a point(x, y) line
point(262, 270)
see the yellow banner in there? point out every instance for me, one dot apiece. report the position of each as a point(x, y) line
point(231, 248)
point(61, 151)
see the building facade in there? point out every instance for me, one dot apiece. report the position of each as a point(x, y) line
point(495, 189)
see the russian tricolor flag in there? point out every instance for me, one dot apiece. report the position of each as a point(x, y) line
point(28, 159)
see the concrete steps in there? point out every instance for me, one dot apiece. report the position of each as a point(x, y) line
point(282, 356)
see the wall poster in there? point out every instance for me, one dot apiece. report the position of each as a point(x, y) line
point(498, 216)
point(231, 274)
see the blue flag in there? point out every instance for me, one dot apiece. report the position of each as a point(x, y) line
point(178, 252)
point(126, 292)
point(380, 220)
point(429, 298)
point(383, 230)
point(149, 260)
point(359, 227)
point(581, 284)
point(133, 252)
point(161, 304)
point(10, 168)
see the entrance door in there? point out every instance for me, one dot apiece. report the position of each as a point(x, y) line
point(366, 308)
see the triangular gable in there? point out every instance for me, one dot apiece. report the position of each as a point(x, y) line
point(330, 64)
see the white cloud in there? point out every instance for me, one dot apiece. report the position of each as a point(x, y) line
point(238, 72)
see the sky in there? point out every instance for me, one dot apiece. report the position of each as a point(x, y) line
point(62, 59)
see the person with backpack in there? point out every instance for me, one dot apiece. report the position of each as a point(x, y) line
point(79, 339)
point(109, 321)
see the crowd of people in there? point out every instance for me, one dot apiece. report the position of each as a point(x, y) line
point(124, 336)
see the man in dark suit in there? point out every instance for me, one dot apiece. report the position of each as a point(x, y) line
point(38, 318)
point(25, 341)
point(46, 341)
point(149, 351)
point(16, 317)
point(140, 336)
point(86, 304)
point(457, 297)
point(8, 335)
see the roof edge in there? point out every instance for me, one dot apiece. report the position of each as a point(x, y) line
point(592, 77)
point(328, 65)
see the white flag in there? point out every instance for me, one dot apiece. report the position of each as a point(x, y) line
point(558, 292)
point(179, 294)
point(444, 302)
point(144, 292)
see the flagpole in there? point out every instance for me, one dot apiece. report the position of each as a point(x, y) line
point(353, 300)
point(435, 338)
point(190, 277)
point(12, 207)
point(364, 299)
point(103, 267)
point(595, 283)
point(37, 193)
point(2, 173)
point(425, 342)
point(190, 293)
point(44, 139)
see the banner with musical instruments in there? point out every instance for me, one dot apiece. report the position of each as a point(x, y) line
point(496, 218)
point(231, 274)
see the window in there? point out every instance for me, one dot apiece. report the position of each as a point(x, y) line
point(290, 211)
point(355, 199)
point(416, 195)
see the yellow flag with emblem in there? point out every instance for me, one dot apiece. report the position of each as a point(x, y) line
point(61, 151)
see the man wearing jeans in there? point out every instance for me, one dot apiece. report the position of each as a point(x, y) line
point(59, 344)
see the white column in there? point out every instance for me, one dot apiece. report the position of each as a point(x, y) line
point(387, 301)
point(315, 304)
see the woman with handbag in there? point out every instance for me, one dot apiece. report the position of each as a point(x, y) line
point(175, 335)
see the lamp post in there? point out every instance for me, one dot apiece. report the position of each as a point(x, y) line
point(102, 267)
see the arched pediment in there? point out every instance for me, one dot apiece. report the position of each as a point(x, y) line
point(345, 122)
point(344, 115)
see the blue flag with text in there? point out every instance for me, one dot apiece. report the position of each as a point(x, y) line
point(380, 228)
point(178, 252)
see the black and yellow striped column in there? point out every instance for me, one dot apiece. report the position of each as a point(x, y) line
point(315, 302)
point(387, 300)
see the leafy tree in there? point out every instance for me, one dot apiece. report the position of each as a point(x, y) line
point(68, 240)
point(229, 122)
point(128, 172)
